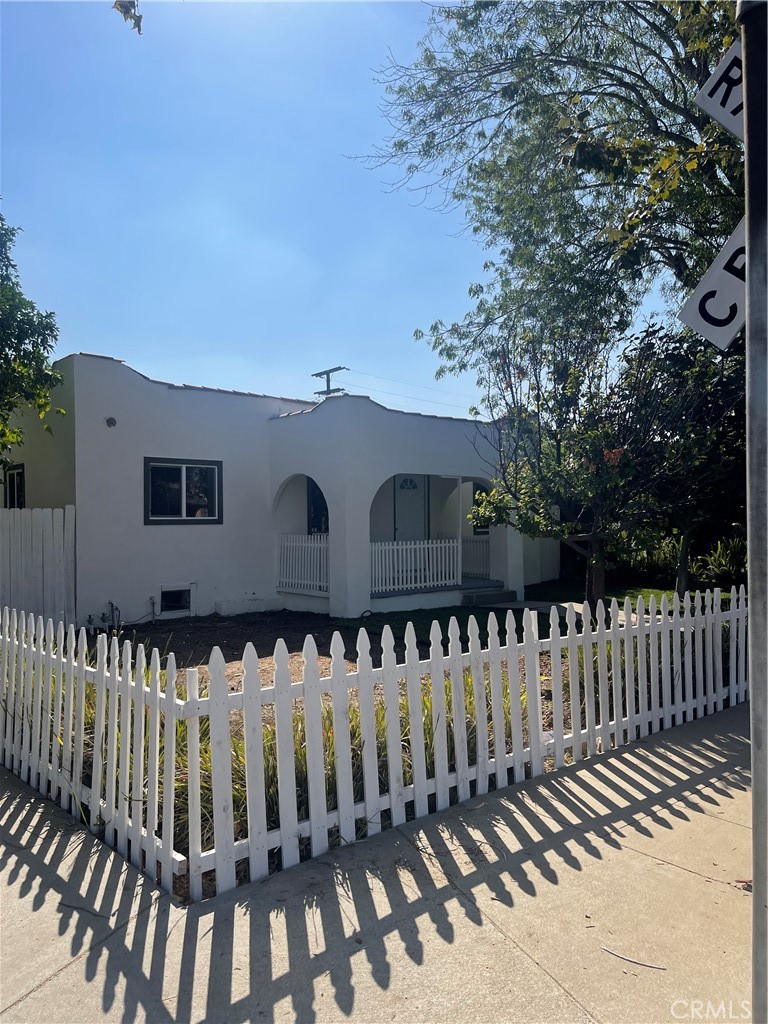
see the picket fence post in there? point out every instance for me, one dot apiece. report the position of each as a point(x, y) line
point(688, 657)
point(342, 741)
point(368, 734)
point(153, 765)
point(602, 678)
point(286, 766)
point(477, 671)
point(221, 772)
point(458, 710)
point(533, 689)
point(193, 790)
point(169, 774)
point(499, 766)
point(416, 724)
point(313, 736)
point(255, 793)
point(98, 734)
point(439, 712)
point(574, 686)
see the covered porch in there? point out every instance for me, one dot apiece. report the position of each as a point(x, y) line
point(369, 511)
point(421, 540)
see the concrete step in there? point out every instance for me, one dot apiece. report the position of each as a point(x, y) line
point(485, 595)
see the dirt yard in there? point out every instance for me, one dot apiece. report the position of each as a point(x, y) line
point(191, 640)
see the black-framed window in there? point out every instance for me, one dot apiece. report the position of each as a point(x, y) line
point(182, 491)
point(14, 487)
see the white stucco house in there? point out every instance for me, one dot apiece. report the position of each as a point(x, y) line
point(193, 500)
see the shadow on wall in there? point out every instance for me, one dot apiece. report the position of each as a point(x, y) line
point(349, 930)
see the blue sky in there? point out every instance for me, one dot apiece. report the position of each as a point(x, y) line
point(189, 203)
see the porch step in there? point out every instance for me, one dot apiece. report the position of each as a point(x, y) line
point(487, 595)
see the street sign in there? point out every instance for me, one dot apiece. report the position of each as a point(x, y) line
point(717, 309)
point(722, 96)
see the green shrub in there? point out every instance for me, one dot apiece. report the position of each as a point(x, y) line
point(724, 566)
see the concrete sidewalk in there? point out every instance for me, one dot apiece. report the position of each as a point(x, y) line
point(496, 911)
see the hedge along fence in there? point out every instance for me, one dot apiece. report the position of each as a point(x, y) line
point(184, 779)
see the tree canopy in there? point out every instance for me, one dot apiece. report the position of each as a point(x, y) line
point(27, 338)
point(568, 132)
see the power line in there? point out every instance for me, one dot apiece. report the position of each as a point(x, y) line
point(410, 398)
point(423, 387)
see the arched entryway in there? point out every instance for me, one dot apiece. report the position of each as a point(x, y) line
point(421, 538)
point(300, 515)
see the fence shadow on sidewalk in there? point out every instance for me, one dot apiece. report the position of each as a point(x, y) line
point(311, 943)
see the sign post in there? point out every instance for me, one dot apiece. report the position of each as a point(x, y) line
point(734, 292)
point(752, 14)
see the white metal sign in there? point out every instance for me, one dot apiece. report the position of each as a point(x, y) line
point(717, 309)
point(722, 96)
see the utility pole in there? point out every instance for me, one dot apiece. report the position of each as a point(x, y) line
point(327, 374)
point(751, 15)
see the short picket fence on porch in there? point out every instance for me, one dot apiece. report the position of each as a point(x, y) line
point(100, 737)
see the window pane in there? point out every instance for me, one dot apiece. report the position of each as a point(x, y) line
point(14, 488)
point(165, 491)
point(201, 492)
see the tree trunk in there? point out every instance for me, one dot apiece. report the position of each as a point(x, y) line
point(683, 563)
point(595, 585)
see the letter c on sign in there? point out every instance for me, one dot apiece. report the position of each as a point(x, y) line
point(710, 318)
point(683, 1004)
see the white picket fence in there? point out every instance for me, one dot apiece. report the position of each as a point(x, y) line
point(476, 557)
point(37, 561)
point(303, 564)
point(111, 740)
point(414, 565)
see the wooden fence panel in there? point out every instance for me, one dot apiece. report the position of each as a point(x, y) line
point(37, 561)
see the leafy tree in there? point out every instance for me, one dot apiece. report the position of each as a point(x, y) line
point(627, 444)
point(27, 338)
point(568, 132)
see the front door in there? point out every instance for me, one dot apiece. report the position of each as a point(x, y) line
point(410, 507)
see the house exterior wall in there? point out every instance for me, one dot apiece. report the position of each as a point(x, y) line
point(49, 457)
point(230, 566)
point(351, 446)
